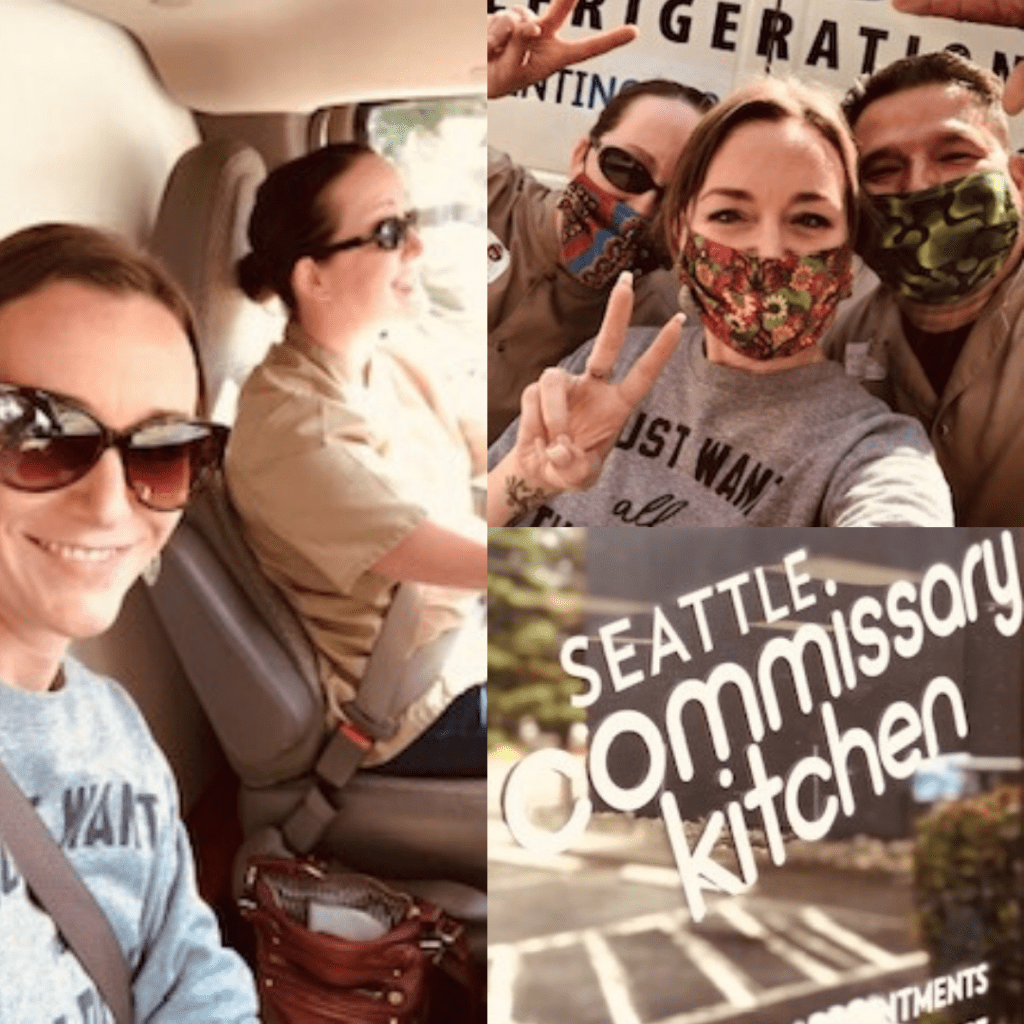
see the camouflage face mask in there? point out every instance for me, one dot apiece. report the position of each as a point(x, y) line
point(940, 244)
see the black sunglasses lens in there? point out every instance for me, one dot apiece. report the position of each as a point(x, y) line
point(624, 171)
point(390, 233)
point(165, 462)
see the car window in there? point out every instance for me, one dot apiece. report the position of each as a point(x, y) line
point(439, 145)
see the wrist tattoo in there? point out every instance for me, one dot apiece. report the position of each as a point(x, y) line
point(521, 497)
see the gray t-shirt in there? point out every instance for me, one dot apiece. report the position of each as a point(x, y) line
point(84, 755)
point(712, 445)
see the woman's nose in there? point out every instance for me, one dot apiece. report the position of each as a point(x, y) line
point(645, 204)
point(413, 245)
point(768, 242)
point(103, 491)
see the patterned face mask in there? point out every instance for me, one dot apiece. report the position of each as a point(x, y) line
point(942, 243)
point(765, 308)
point(601, 236)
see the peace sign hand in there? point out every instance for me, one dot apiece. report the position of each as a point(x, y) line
point(569, 422)
point(523, 48)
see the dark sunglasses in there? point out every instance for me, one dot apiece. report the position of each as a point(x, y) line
point(624, 171)
point(388, 234)
point(48, 442)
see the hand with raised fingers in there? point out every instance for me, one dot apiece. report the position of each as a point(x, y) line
point(523, 48)
point(985, 12)
point(569, 422)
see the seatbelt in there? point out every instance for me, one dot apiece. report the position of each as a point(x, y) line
point(367, 720)
point(67, 899)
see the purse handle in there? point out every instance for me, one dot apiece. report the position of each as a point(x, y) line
point(67, 899)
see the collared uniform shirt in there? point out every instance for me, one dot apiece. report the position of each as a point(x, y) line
point(977, 424)
point(328, 475)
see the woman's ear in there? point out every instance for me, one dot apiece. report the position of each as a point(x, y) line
point(578, 157)
point(307, 280)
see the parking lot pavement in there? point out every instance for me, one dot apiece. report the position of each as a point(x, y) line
point(601, 935)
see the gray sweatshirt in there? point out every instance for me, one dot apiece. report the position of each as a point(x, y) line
point(712, 445)
point(84, 755)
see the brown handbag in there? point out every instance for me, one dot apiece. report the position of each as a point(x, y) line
point(417, 971)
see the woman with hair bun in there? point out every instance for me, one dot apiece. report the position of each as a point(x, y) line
point(349, 471)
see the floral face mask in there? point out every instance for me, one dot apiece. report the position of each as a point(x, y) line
point(765, 308)
point(601, 236)
point(942, 243)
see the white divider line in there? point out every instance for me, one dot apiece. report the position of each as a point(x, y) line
point(811, 939)
point(650, 874)
point(659, 921)
point(737, 988)
point(501, 983)
point(831, 929)
point(611, 977)
point(784, 950)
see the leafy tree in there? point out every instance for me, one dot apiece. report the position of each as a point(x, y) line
point(534, 587)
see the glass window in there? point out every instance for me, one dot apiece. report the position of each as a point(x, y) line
point(439, 145)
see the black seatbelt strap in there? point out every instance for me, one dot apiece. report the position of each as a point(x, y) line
point(67, 899)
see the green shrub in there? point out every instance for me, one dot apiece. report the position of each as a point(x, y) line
point(969, 892)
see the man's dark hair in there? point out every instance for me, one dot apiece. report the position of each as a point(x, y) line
point(940, 68)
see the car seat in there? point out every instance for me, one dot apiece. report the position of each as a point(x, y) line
point(240, 644)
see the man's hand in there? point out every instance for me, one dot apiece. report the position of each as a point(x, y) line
point(523, 48)
point(986, 12)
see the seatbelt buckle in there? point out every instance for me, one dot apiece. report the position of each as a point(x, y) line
point(355, 735)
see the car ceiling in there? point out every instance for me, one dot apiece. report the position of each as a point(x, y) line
point(251, 56)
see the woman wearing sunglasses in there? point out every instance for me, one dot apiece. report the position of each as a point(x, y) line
point(745, 423)
point(554, 256)
point(100, 449)
point(346, 465)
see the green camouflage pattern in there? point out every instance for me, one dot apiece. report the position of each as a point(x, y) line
point(942, 243)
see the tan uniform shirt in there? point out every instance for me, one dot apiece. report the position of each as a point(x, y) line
point(977, 424)
point(537, 312)
point(329, 475)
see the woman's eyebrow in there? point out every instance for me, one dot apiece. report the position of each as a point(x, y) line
point(728, 193)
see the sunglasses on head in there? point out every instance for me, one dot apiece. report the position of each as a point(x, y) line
point(388, 234)
point(48, 442)
point(624, 170)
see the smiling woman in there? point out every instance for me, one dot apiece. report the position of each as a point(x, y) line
point(99, 451)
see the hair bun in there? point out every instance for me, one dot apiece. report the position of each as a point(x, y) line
point(251, 275)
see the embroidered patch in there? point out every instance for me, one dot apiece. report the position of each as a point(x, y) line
point(498, 258)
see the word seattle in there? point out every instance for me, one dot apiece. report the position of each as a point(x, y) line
point(857, 644)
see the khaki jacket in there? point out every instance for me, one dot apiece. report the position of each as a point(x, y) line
point(537, 312)
point(977, 424)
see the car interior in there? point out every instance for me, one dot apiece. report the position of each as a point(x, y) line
point(158, 120)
